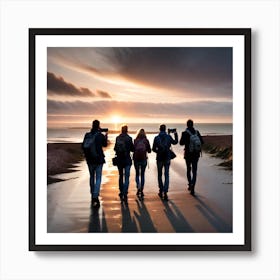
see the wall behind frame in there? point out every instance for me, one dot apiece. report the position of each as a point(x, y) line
point(17, 262)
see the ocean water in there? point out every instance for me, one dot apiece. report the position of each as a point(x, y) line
point(76, 134)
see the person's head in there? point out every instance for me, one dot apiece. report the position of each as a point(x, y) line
point(190, 123)
point(95, 124)
point(162, 127)
point(124, 129)
point(141, 133)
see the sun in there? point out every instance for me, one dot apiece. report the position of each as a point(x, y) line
point(116, 119)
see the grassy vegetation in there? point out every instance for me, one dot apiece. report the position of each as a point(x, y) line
point(220, 146)
point(62, 157)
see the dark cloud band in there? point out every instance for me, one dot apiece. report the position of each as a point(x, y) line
point(103, 94)
point(58, 86)
point(141, 109)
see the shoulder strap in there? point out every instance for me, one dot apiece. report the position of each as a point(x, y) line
point(189, 132)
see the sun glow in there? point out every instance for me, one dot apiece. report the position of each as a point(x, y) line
point(116, 119)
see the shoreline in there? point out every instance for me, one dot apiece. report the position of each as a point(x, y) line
point(62, 157)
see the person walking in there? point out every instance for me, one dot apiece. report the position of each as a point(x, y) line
point(123, 147)
point(193, 141)
point(92, 147)
point(161, 146)
point(141, 148)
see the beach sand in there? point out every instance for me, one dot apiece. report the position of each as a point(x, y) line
point(69, 208)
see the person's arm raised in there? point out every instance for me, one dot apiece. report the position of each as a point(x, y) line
point(174, 141)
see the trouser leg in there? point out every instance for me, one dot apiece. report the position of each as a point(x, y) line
point(137, 167)
point(194, 171)
point(91, 169)
point(143, 168)
point(126, 179)
point(166, 176)
point(120, 168)
point(98, 175)
point(159, 169)
point(189, 169)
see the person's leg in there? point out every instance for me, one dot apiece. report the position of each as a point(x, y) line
point(91, 178)
point(137, 167)
point(143, 168)
point(98, 174)
point(120, 168)
point(126, 179)
point(194, 171)
point(142, 173)
point(160, 183)
point(166, 178)
point(189, 169)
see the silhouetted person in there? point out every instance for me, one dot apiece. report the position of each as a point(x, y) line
point(141, 148)
point(161, 146)
point(192, 141)
point(123, 147)
point(92, 147)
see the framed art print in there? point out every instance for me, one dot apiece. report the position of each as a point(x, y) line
point(157, 87)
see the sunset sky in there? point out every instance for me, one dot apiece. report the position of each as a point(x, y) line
point(124, 85)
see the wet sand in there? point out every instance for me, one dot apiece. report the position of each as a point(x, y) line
point(69, 208)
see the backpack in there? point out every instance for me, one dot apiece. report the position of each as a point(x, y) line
point(195, 143)
point(89, 145)
point(163, 148)
point(140, 149)
point(120, 146)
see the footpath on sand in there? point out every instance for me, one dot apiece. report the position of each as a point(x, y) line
point(69, 202)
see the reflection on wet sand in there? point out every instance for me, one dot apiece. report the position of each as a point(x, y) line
point(139, 219)
point(176, 218)
point(213, 218)
point(128, 222)
point(143, 217)
point(97, 221)
point(69, 207)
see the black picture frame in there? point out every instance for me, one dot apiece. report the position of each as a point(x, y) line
point(243, 32)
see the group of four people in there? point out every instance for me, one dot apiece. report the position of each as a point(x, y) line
point(124, 146)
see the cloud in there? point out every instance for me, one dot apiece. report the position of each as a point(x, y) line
point(206, 72)
point(58, 86)
point(103, 94)
point(141, 109)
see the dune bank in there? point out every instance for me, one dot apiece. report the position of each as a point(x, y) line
point(61, 158)
point(220, 146)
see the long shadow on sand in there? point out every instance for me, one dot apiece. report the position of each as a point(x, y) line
point(213, 218)
point(128, 224)
point(144, 218)
point(97, 222)
point(176, 218)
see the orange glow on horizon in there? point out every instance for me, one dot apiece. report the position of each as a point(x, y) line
point(117, 121)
